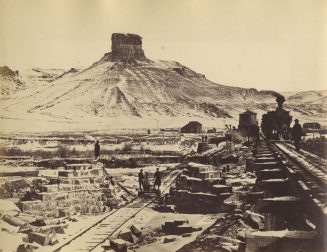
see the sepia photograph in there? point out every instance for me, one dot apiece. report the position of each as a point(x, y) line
point(163, 126)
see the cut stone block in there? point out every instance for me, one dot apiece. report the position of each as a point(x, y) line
point(281, 241)
point(26, 248)
point(267, 155)
point(180, 222)
point(106, 246)
point(53, 239)
point(119, 245)
point(270, 174)
point(58, 229)
point(126, 235)
point(48, 173)
point(278, 187)
point(218, 189)
point(169, 239)
point(136, 231)
point(177, 227)
point(26, 217)
point(254, 220)
point(265, 165)
point(42, 239)
point(12, 220)
point(67, 174)
point(264, 159)
point(26, 228)
point(182, 229)
point(285, 204)
point(49, 188)
point(78, 167)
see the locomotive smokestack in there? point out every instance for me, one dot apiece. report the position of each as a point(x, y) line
point(280, 100)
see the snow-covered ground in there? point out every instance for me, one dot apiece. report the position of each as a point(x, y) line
point(113, 95)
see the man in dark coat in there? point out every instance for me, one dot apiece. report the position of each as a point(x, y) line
point(157, 179)
point(97, 150)
point(141, 180)
point(297, 134)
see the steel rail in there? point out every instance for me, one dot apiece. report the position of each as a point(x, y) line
point(110, 214)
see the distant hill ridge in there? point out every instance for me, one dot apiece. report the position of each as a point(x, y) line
point(126, 84)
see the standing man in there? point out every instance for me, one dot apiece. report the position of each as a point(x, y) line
point(97, 150)
point(141, 180)
point(297, 134)
point(157, 179)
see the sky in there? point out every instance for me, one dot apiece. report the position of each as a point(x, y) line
point(278, 45)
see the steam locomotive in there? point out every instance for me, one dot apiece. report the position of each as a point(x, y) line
point(276, 124)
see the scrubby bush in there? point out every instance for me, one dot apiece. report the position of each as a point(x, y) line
point(127, 147)
point(63, 151)
point(8, 189)
point(133, 163)
point(40, 154)
point(10, 152)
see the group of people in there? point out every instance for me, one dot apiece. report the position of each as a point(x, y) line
point(144, 184)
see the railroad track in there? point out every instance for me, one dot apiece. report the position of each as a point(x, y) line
point(309, 165)
point(306, 174)
point(306, 156)
point(92, 238)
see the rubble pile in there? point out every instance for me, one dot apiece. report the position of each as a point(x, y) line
point(132, 237)
point(233, 191)
point(127, 238)
point(226, 234)
point(229, 231)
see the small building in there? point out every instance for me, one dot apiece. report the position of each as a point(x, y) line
point(311, 127)
point(248, 125)
point(192, 127)
point(173, 130)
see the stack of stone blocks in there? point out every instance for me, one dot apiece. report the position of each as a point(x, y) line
point(79, 188)
point(200, 189)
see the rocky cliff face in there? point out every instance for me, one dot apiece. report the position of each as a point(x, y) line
point(6, 72)
point(126, 47)
point(10, 82)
